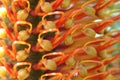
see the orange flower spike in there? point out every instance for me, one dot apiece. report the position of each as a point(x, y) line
point(57, 42)
point(10, 15)
point(10, 35)
point(26, 32)
point(57, 75)
point(22, 43)
point(21, 2)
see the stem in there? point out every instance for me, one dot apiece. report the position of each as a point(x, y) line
point(98, 4)
point(70, 55)
point(81, 15)
point(103, 26)
point(112, 59)
point(56, 4)
point(94, 75)
point(115, 18)
point(93, 61)
point(100, 48)
point(104, 5)
point(57, 42)
point(72, 14)
point(72, 74)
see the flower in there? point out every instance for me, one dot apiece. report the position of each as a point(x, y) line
point(59, 39)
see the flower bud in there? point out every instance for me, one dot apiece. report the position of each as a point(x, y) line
point(89, 32)
point(2, 52)
point(3, 12)
point(22, 74)
point(51, 65)
point(3, 71)
point(70, 61)
point(65, 4)
point(21, 55)
point(22, 15)
point(3, 33)
point(91, 51)
point(69, 23)
point(46, 45)
point(68, 40)
point(46, 7)
point(23, 35)
point(50, 25)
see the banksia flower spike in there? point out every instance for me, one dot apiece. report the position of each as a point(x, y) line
point(59, 39)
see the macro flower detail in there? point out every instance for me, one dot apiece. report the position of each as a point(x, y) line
point(59, 39)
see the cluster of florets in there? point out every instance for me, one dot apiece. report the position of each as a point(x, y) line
point(59, 39)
